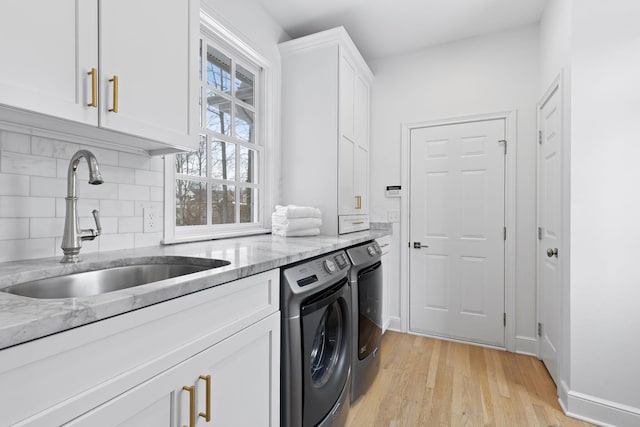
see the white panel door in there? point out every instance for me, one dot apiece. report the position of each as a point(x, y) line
point(457, 215)
point(549, 217)
point(47, 47)
point(146, 44)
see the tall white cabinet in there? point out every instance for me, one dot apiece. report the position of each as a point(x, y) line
point(112, 71)
point(325, 129)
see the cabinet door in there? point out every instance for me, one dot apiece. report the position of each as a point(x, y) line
point(361, 180)
point(244, 391)
point(47, 48)
point(245, 378)
point(347, 93)
point(151, 48)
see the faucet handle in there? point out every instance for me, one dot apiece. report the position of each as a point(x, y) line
point(96, 217)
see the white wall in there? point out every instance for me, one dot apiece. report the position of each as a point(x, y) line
point(33, 170)
point(605, 202)
point(498, 72)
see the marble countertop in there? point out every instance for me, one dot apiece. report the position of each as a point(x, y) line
point(23, 319)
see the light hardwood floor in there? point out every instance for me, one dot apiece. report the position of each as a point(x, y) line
point(429, 382)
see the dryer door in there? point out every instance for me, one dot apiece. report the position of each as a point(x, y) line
point(325, 346)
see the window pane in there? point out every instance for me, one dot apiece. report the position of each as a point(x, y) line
point(223, 160)
point(244, 124)
point(218, 70)
point(248, 165)
point(248, 205)
point(200, 62)
point(223, 198)
point(200, 106)
point(194, 162)
point(218, 114)
point(244, 84)
point(191, 202)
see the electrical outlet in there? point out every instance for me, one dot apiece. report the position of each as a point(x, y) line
point(393, 215)
point(151, 218)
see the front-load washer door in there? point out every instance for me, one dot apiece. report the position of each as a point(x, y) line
point(325, 352)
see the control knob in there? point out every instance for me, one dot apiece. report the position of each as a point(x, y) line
point(329, 266)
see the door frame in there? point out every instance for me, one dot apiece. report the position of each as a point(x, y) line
point(555, 87)
point(510, 118)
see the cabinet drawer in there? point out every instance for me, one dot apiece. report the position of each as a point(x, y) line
point(385, 244)
point(53, 379)
point(351, 223)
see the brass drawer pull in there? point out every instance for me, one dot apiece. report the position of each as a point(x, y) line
point(357, 222)
point(207, 415)
point(94, 87)
point(192, 405)
point(115, 94)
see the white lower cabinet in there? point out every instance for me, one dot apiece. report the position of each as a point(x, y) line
point(136, 369)
point(387, 268)
point(230, 384)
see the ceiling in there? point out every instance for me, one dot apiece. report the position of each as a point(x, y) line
point(384, 28)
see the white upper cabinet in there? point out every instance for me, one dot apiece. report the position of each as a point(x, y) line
point(116, 71)
point(325, 111)
point(47, 49)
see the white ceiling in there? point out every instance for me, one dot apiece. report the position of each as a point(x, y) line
point(388, 27)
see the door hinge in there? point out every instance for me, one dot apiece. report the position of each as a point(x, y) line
point(539, 233)
point(539, 137)
point(539, 329)
point(505, 233)
point(504, 319)
point(503, 142)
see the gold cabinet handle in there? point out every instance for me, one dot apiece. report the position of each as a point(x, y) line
point(94, 87)
point(192, 405)
point(115, 94)
point(207, 415)
point(358, 202)
point(357, 222)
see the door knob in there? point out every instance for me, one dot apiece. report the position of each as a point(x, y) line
point(418, 245)
point(552, 252)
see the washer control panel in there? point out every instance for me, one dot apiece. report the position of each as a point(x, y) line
point(319, 271)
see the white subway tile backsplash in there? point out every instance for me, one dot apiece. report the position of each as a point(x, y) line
point(26, 207)
point(11, 250)
point(52, 148)
point(128, 160)
point(33, 187)
point(156, 194)
point(117, 208)
point(156, 163)
point(118, 175)
point(147, 239)
point(15, 142)
point(132, 224)
point(48, 187)
point(14, 228)
point(133, 192)
point(14, 185)
point(113, 242)
point(149, 178)
point(101, 191)
point(46, 227)
point(26, 164)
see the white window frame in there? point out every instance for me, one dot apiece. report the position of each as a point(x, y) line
point(243, 54)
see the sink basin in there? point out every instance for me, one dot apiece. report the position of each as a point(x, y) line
point(94, 282)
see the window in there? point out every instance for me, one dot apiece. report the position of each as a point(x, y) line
point(219, 190)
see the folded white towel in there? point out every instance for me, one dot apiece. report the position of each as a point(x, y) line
point(297, 233)
point(295, 223)
point(293, 211)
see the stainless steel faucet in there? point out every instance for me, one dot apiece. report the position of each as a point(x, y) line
point(73, 235)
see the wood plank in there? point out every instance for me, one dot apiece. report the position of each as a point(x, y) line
point(429, 382)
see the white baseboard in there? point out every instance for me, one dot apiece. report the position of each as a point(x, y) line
point(385, 325)
point(527, 345)
point(394, 324)
point(597, 411)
